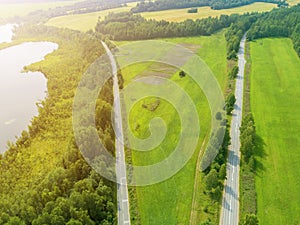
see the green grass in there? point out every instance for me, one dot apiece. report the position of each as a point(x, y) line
point(22, 9)
point(170, 202)
point(87, 21)
point(177, 15)
point(275, 103)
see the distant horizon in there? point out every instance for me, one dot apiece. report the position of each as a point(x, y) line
point(29, 1)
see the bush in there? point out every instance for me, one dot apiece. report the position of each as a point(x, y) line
point(194, 10)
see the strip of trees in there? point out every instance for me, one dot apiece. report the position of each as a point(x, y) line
point(128, 26)
point(215, 173)
point(159, 5)
point(233, 73)
point(248, 140)
point(248, 149)
point(283, 22)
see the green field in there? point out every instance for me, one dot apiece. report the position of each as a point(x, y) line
point(275, 102)
point(204, 12)
point(170, 202)
point(87, 21)
point(22, 9)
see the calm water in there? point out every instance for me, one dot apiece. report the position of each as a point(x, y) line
point(19, 92)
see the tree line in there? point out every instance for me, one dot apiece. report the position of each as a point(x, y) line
point(215, 173)
point(248, 150)
point(129, 26)
point(278, 23)
point(160, 5)
point(282, 22)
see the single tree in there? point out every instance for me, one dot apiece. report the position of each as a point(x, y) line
point(212, 180)
point(230, 101)
point(182, 74)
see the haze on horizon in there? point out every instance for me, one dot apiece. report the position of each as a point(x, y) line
point(29, 1)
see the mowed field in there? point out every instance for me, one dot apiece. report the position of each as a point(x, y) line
point(22, 9)
point(177, 15)
point(87, 21)
point(275, 102)
point(170, 202)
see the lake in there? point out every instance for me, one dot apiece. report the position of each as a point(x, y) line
point(19, 92)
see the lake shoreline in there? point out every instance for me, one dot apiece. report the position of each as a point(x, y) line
point(19, 94)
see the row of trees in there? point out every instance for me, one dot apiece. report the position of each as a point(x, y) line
point(159, 5)
point(233, 72)
point(236, 32)
point(215, 174)
point(278, 23)
point(248, 168)
point(44, 179)
point(248, 139)
point(128, 26)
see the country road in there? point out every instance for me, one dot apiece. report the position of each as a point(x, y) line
point(230, 201)
point(122, 192)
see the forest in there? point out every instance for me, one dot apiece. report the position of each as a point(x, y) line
point(278, 23)
point(44, 178)
point(159, 5)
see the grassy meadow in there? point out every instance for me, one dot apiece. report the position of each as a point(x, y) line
point(87, 21)
point(275, 101)
point(178, 15)
point(170, 202)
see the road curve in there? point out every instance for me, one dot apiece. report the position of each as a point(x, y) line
point(230, 201)
point(122, 190)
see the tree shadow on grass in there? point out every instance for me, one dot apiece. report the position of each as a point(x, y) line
point(260, 153)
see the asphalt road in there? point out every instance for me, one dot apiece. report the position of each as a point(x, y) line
point(230, 202)
point(122, 192)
